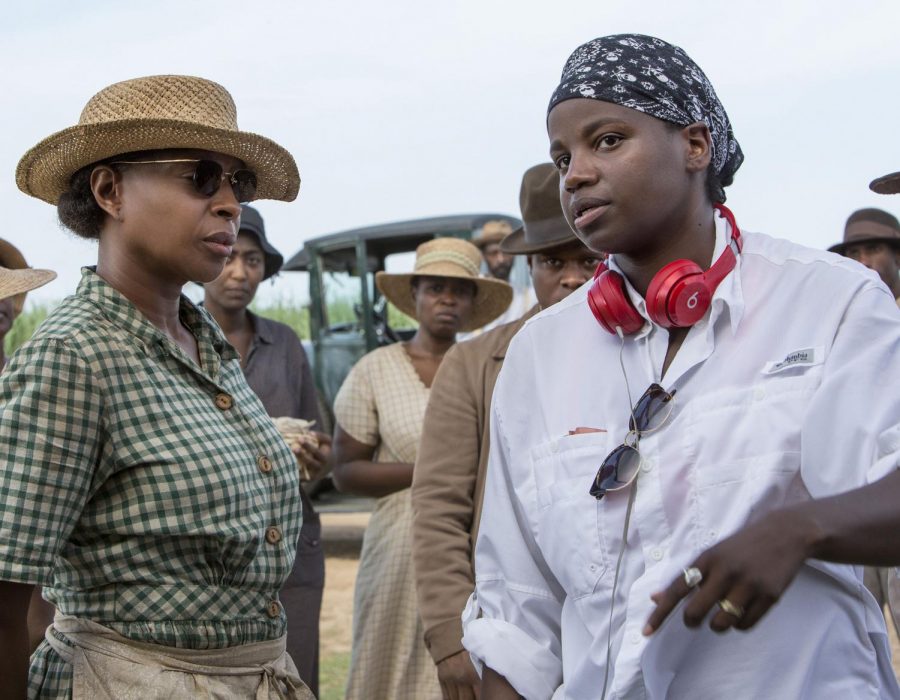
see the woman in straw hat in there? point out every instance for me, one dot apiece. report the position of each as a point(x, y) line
point(159, 508)
point(16, 280)
point(378, 413)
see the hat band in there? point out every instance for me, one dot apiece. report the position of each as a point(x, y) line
point(439, 256)
point(860, 230)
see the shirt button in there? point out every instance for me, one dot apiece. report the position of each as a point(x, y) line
point(647, 465)
point(593, 567)
point(273, 535)
point(656, 553)
point(264, 464)
point(224, 402)
point(273, 609)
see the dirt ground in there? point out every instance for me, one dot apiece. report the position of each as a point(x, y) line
point(342, 535)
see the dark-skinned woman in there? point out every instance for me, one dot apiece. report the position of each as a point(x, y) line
point(379, 413)
point(142, 483)
point(708, 379)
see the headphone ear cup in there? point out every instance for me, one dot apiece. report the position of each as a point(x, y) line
point(611, 306)
point(677, 295)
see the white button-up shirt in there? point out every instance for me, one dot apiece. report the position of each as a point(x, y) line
point(786, 391)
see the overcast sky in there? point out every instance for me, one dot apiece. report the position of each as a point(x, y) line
point(401, 109)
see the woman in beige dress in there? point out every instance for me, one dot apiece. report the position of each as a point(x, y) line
point(378, 413)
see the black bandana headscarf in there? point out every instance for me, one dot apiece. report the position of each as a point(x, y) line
point(656, 78)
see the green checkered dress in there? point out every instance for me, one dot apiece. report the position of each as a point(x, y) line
point(143, 492)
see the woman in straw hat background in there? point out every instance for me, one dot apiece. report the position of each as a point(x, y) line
point(379, 413)
point(142, 483)
point(16, 280)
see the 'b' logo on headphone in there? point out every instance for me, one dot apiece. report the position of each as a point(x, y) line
point(692, 300)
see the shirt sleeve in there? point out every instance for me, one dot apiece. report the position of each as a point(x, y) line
point(443, 490)
point(354, 406)
point(512, 623)
point(851, 435)
point(50, 442)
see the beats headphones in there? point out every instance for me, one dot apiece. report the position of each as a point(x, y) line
point(678, 296)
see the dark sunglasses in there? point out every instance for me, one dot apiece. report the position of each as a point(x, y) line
point(622, 464)
point(208, 176)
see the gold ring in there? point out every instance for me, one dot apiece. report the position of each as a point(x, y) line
point(692, 577)
point(731, 608)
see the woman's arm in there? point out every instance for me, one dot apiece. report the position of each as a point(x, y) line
point(355, 473)
point(496, 687)
point(14, 647)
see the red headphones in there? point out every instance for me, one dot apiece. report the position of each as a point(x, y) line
point(678, 295)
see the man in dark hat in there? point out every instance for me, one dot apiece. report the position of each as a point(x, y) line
point(449, 474)
point(872, 237)
point(277, 369)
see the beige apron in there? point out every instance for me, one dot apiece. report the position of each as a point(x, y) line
point(108, 666)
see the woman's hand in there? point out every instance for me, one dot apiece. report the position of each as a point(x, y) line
point(751, 569)
point(314, 459)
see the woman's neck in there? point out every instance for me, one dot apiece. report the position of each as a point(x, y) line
point(426, 344)
point(231, 321)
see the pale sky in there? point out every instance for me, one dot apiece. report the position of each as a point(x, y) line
point(400, 109)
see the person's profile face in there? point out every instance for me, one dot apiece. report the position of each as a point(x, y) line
point(7, 316)
point(880, 257)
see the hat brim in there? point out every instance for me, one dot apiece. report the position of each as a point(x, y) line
point(516, 244)
point(492, 298)
point(887, 184)
point(840, 248)
point(45, 170)
point(17, 283)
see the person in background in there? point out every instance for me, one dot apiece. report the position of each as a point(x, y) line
point(748, 392)
point(499, 265)
point(16, 280)
point(378, 414)
point(277, 369)
point(448, 479)
point(872, 237)
point(168, 508)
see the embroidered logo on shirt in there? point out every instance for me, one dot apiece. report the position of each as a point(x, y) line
point(798, 358)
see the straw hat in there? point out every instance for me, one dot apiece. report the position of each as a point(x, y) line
point(16, 278)
point(160, 112)
point(449, 257)
point(492, 232)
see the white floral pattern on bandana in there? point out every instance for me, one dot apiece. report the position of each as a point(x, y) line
point(656, 78)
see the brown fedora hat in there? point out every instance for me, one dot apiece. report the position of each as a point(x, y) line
point(886, 184)
point(869, 226)
point(159, 112)
point(492, 232)
point(449, 257)
point(16, 278)
point(543, 225)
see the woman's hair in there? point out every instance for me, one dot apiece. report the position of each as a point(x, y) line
point(77, 208)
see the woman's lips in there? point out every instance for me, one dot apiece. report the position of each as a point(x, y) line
point(590, 214)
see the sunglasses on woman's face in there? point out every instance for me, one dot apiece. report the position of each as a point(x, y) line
point(208, 176)
point(621, 465)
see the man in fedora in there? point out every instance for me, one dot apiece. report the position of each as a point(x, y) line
point(872, 237)
point(277, 369)
point(448, 478)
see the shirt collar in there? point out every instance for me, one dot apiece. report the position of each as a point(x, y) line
point(261, 329)
point(122, 312)
point(727, 297)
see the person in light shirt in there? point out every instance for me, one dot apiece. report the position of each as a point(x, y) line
point(710, 378)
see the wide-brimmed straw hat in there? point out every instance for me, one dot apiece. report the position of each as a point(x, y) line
point(886, 184)
point(160, 112)
point(449, 257)
point(543, 225)
point(16, 278)
point(869, 226)
point(492, 232)
point(252, 223)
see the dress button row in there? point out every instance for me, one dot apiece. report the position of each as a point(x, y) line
point(264, 464)
point(273, 609)
point(273, 535)
point(224, 401)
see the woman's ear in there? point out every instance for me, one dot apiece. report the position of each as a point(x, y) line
point(106, 184)
point(699, 147)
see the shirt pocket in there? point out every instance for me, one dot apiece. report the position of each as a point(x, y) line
point(569, 526)
point(743, 448)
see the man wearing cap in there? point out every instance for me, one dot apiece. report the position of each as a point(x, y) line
point(872, 237)
point(277, 369)
point(448, 478)
point(499, 263)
